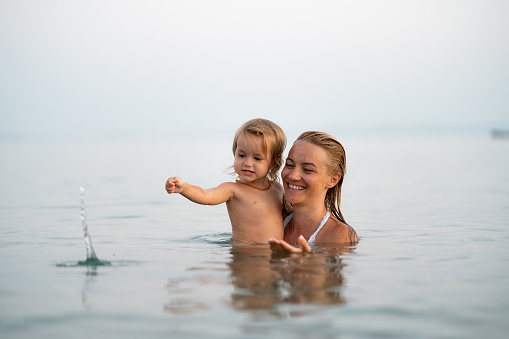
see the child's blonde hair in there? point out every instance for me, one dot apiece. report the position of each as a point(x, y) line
point(273, 138)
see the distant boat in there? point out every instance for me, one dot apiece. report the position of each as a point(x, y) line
point(500, 133)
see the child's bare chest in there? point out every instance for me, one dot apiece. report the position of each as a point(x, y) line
point(257, 202)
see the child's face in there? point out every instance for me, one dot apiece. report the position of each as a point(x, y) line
point(251, 162)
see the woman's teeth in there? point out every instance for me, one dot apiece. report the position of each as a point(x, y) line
point(293, 187)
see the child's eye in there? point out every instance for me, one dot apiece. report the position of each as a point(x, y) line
point(241, 155)
point(258, 158)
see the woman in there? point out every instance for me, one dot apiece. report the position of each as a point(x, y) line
point(312, 180)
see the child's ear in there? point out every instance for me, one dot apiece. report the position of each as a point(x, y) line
point(334, 179)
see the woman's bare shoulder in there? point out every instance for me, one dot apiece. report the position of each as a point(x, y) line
point(341, 232)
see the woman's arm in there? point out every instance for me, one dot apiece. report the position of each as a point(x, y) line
point(211, 196)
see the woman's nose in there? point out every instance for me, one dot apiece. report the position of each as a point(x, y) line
point(294, 174)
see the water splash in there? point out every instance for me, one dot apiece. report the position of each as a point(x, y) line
point(91, 256)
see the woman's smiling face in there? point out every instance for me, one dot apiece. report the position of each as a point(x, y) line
point(305, 175)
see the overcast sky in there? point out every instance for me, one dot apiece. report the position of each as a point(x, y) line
point(143, 68)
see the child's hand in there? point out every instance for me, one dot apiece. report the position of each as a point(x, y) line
point(174, 185)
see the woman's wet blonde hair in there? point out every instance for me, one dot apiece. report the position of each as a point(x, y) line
point(336, 164)
point(274, 142)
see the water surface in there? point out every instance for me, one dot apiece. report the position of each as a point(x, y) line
point(432, 213)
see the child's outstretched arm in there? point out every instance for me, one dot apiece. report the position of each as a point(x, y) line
point(211, 196)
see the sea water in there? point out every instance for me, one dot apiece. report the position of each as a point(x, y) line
point(432, 212)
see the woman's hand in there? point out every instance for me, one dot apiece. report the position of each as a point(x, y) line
point(281, 246)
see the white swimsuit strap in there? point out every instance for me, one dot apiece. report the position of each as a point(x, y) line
point(311, 240)
point(287, 219)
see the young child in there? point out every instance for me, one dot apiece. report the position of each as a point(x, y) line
point(255, 200)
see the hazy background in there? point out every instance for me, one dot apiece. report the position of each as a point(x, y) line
point(158, 68)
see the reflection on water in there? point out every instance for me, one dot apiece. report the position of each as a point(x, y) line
point(91, 274)
point(260, 280)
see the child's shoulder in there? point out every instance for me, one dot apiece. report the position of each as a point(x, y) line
point(277, 188)
point(228, 185)
point(277, 185)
